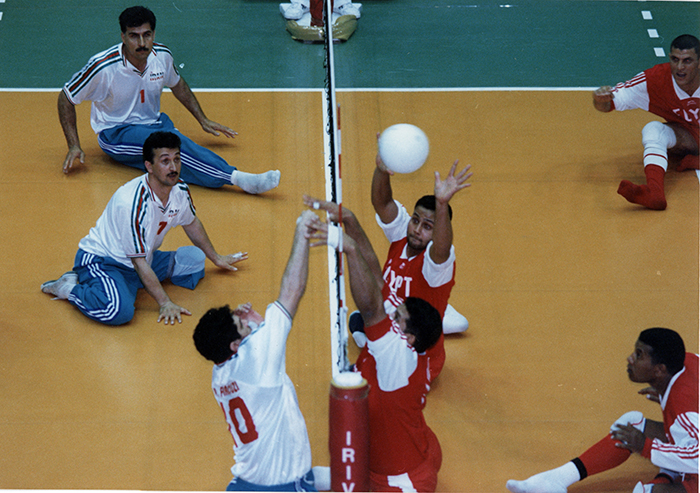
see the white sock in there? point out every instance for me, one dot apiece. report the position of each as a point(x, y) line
point(552, 481)
point(322, 478)
point(256, 183)
point(64, 289)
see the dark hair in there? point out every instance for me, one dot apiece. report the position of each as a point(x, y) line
point(214, 334)
point(686, 42)
point(428, 202)
point(159, 140)
point(135, 17)
point(424, 322)
point(667, 348)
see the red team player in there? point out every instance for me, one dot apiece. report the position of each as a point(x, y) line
point(671, 91)
point(421, 258)
point(659, 358)
point(405, 454)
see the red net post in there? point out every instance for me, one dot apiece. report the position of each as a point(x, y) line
point(348, 435)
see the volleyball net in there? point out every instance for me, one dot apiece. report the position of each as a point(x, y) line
point(334, 193)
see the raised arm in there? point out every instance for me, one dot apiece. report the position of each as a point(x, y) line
point(365, 288)
point(67, 117)
point(444, 191)
point(382, 194)
point(353, 228)
point(184, 94)
point(297, 271)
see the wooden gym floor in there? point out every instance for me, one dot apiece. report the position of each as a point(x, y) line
point(556, 273)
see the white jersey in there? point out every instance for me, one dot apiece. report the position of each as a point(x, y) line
point(135, 221)
point(120, 93)
point(270, 440)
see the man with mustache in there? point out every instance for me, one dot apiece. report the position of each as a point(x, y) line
point(671, 91)
point(120, 254)
point(125, 84)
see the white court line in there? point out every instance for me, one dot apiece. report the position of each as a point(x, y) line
point(362, 89)
point(321, 90)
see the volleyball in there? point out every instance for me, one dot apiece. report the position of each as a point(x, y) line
point(403, 148)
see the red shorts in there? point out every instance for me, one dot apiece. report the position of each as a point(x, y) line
point(421, 478)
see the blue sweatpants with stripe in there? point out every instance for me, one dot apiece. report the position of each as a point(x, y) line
point(200, 166)
point(106, 289)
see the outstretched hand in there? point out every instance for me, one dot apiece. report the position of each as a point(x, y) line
point(331, 208)
point(74, 153)
point(170, 312)
point(445, 189)
point(217, 129)
point(227, 261)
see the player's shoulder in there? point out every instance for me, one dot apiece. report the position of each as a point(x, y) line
point(134, 191)
point(662, 70)
point(160, 50)
point(691, 365)
point(182, 187)
point(106, 57)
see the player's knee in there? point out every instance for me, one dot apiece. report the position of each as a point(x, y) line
point(631, 418)
point(657, 134)
point(124, 315)
point(189, 267)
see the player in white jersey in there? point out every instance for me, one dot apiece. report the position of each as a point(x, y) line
point(250, 383)
point(125, 84)
point(120, 254)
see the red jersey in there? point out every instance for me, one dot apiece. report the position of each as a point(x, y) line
point(403, 277)
point(680, 411)
point(656, 91)
point(400, 439)
point(417, 276)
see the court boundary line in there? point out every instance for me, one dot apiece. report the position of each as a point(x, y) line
point(368, 89)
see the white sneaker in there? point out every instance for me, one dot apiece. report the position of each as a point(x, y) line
point(62, 286)
point(348, 9)
point(295, 11)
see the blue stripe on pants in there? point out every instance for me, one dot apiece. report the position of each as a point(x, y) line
point(106, 289)
point(200, 166)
